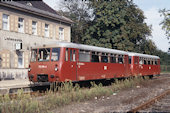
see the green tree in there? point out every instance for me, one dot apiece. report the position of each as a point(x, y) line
point(166, 21)
point(117, 24)
point(78, 11)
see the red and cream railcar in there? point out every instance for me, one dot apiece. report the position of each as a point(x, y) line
point(76, 62)
point(143, 64)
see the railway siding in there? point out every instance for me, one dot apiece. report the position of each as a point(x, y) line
point(157, 101)
point(161, 103)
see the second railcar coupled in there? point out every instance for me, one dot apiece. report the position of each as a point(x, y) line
point(77, 62)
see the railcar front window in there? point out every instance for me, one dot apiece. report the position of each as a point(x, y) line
point(33, 55)
point(44, 54)
point(55, 54)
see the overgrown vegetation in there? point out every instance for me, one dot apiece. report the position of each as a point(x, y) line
point(65, 94)
point(165, 68)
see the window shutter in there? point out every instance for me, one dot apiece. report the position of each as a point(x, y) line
point(16, 60)
point(43, 29)
point(26, 26)
point(57, 33)
point(51, 30)
point(26, 59)
point(16, 23)
point(6, 59)
point(39, 28)
point(12, 23)
point(67, 34)
point(0, 20)
point(30, 26)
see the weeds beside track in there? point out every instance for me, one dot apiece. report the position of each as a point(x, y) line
point(62, 95)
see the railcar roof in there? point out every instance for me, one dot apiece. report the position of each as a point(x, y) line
point(143, 55)
point(86, 47)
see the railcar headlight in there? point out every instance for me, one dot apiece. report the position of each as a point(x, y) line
point(56, 69)
point(29, 69)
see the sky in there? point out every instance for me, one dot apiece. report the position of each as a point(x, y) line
point(151, 11)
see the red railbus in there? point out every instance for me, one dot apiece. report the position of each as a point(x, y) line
point(143, 64)
point(77, 62)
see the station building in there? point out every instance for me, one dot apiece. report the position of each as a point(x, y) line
point(23, 25)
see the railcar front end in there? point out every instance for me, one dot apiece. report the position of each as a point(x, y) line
point(45, 65)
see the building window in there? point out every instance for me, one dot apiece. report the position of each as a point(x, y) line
point(20, 59)
point(21, 25)
point(46, 30)
point(61, 33)
point(34, 28)
point(5, 22)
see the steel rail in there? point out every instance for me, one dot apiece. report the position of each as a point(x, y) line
point(150, 102)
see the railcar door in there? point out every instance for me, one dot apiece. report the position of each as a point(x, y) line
point(69, 68)
point(135, 65)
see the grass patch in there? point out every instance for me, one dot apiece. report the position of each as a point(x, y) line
point(62, 95)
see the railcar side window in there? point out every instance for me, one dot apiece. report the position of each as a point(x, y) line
point(130, 59)
point(140, 60)
point(145, 62)
point(72, 55)
point(44, 54)
point(33, 55)
point(104, 57)
point(66, 55)
point(120, 59)
point(55, 54)
point(113, 58)
point(149, 62)
point(152, 62)
point(84, 56)
point(136, 60)
point(156, 63)
point(94, 57)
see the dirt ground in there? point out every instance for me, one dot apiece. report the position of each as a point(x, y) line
point(121, 101)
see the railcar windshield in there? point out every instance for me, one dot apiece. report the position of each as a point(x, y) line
point(55, 55)
point(34, 55)
point(44, 54)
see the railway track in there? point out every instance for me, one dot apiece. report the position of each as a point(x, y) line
point(160, 103)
